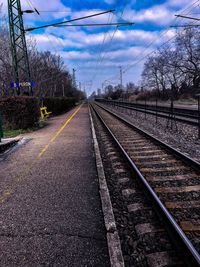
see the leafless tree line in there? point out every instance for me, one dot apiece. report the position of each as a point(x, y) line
point(172, 71)
point(48, 70)
point(175, 66)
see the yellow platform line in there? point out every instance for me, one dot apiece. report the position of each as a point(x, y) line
point(6, 194)
point(58, 133)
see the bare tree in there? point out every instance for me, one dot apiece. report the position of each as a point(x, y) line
point(5, 58)
point(176, 65)
point(154, 74)
point(48, 70)
point(188, 46)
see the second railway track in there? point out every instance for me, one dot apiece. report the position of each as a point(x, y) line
point(184, 115)
point(170, 178)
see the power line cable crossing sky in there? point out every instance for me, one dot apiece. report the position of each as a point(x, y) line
point(97, 52)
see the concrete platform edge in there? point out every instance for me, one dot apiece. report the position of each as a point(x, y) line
point(113, 240)
point(7, 143)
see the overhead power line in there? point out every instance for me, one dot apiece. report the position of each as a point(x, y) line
point(186, 17)
point(188, 25)
point(71, 20)
point(131, 65)
point(103, 52)
point(185, 26)
point(47, 36)
point(99, 24)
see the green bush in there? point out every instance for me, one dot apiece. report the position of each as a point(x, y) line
point(19, 112)
point(58, 105)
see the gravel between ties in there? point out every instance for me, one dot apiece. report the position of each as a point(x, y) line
point(135, 248)
point(184, 140)
point(121, 132)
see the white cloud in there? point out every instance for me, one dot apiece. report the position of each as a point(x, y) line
point(51, 42)
point(178, 3)
point(75, 55)
point(54, 7)
point(158, 15)
point(127, 46)
point(82, 39)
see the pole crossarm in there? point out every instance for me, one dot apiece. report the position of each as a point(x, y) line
point(21, 69)
point(184, 26)
point(98, 24)
point(186, 17)
point(71, 20)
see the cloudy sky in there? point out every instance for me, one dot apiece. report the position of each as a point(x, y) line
point(97, 52)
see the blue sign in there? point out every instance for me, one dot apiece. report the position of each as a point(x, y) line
point(17, 85)
point(13, 85)
point(32, 84)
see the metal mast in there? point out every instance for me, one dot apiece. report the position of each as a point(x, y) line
point(21, 69)
point(74, 79)
point(121, 83)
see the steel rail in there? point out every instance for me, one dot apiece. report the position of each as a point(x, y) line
point(167, 110)
point(183, 110)
point(189, 161)
point(190, 254)
point(159, 112)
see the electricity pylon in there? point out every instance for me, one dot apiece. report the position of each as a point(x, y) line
point(21, 68)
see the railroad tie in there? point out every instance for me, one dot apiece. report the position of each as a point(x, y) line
point(146, 228)
point(179, 189)
point(136, 206)
point(128, 192)
point(161, 259)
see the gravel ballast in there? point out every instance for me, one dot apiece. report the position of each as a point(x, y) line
point(184, 139)
point(125, 191)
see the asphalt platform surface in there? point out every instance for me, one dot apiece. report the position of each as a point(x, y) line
point(50, 206)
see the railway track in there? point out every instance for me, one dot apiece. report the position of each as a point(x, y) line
point(189, 116)
point(170, 179)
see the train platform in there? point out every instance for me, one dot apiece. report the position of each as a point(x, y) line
point(51, 211)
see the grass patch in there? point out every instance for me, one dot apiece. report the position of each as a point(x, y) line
point(189, 101)
point(8, 133)
point(12, 133)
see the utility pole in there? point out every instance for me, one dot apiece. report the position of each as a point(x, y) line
point(21, 69)
point(171, 121)
point(121, 82)
point(63, 89)
point(74, 79)
point(102, 87)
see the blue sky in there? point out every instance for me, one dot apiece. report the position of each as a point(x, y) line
point(97, 53)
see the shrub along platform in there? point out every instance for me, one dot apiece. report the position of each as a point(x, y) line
point(58, 105)
point(22, 112)
point(19, 112)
